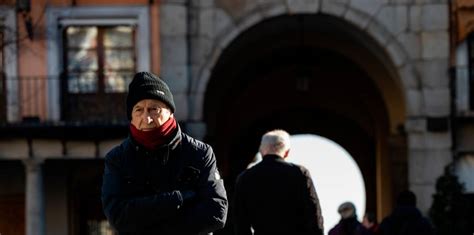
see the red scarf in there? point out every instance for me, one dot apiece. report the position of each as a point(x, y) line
point(156, 137)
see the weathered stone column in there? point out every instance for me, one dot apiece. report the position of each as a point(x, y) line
point(196, 129)
point(34, 212)
point(428, 154)
point(174, 30)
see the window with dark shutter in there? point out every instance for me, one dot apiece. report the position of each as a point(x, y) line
point(99, 62)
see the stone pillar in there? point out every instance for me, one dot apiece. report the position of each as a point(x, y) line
point(34, 212)
point(196, 129)
point(428, 154)
point(174, 51)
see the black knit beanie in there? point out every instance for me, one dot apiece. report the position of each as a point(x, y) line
point(146, 85)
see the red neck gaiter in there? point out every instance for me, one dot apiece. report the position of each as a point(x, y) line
point(156, 137)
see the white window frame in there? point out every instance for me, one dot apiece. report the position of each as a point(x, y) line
point(61, 17)
point(8, 18)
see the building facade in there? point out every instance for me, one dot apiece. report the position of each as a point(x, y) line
point(65, 70)
point(373, 76)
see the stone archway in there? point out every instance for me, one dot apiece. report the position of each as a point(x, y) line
point(405, 51)
point(299, 73)
point(381, 39)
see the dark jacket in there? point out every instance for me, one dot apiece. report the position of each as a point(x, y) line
point(349, 226)
point(276, 197)
point(141, 191)
point(405, 220)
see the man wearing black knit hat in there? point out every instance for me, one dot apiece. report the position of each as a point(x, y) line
point(160, 180)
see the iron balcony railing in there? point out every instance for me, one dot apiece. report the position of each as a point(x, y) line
point(28, 99)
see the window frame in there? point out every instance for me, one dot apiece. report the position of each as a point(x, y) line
point(100, 49)
point(60, 17)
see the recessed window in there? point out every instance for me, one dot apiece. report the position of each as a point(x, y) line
point(99, 59)
point(93, 53)
point(99, 63)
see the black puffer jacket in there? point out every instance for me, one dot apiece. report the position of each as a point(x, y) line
point(405, 220)
point(141, 191)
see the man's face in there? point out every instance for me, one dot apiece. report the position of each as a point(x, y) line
point(148, 114)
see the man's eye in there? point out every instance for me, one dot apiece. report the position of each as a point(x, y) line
point(155, 110)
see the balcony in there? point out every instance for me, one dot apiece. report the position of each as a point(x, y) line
point(88, 115)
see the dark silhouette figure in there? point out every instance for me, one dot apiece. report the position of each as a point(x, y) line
point(406, 219)
point(348, 225)
point(370, 222)
point(276, 197)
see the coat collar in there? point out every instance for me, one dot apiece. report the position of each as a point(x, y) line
point(272, 157)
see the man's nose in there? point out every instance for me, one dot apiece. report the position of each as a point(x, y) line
point(149, 119)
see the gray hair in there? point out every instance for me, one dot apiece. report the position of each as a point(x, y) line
point(275, 142)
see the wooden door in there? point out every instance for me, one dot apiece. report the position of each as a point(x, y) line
point(12, 215)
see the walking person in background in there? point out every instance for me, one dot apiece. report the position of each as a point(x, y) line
point(160, 180)
point(405, 219)
point(370, 222)
point(348, 225)
point(274, 196)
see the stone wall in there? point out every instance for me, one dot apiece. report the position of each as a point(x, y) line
point(414, 34)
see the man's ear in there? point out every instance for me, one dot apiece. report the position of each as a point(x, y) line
point(287, 152)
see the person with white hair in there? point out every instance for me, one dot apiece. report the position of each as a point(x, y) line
point(275, 196)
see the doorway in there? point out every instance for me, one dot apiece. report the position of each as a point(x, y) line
point(309, 74)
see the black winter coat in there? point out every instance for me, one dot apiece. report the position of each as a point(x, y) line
point(276, 197)
point(141, 191)
point(349, 226)
point(405, 220)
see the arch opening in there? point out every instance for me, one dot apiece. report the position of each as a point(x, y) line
point(336, 175)
point(306, 74)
